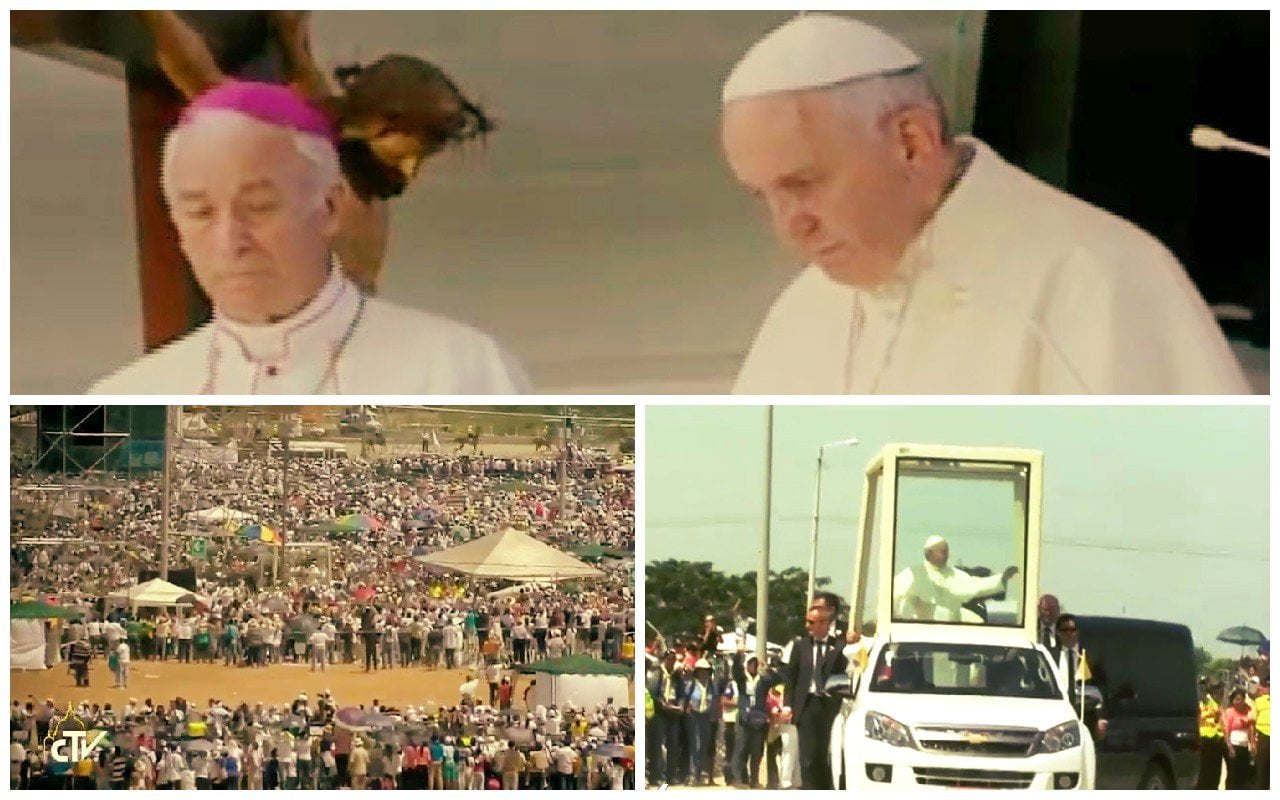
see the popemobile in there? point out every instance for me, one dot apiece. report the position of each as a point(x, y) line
point(948, 686)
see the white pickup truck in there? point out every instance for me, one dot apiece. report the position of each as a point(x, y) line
point(935, 713)
point(953, 691)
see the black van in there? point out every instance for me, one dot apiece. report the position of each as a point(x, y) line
point(1145, 671)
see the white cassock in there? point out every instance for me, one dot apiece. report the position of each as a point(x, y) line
point(388, 350)
point(1013, 288)
point(925, 592)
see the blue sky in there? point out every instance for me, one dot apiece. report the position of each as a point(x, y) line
point(1157, 512)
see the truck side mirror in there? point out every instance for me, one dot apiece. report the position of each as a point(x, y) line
point(838, 685)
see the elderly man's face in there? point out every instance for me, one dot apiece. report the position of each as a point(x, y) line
point(840, 196)
point(938, 554)
point(251, 219)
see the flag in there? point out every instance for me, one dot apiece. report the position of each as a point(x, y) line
point(1084, 674)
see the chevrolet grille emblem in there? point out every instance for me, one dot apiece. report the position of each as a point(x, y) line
point(976, 738)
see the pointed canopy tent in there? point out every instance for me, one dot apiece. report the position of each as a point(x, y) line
point(39, 609)
point(513, 555)
point(154, 593)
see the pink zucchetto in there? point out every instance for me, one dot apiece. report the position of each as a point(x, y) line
point(265, 102)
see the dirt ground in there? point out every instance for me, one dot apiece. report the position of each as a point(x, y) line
point(280, 683)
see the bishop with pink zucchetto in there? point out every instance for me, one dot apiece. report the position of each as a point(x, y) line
point(252, 182)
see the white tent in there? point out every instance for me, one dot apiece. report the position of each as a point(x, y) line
point(583, 691)
point(513, 555)
point(26, 644)
point(219, 514)
point(155, 593)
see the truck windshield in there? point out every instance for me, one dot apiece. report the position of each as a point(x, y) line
point(964, 669)
point(960, 541)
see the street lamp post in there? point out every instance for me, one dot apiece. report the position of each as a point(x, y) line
point(817, 505)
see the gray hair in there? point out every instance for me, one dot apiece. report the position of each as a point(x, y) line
point(318, 151)
point(872, 101)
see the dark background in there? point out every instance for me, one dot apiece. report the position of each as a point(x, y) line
point(1102, 103)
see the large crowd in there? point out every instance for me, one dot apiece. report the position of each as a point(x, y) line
point(370, 602)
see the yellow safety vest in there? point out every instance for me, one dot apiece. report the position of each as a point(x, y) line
point(1262, 707)
point(1210, 725)
point(704, 697)
point(668, 686)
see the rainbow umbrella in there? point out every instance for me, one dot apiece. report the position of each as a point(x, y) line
point(358, 522)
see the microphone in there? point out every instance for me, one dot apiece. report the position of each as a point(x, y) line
point(1207, 138)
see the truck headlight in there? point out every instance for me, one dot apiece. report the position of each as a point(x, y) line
point(1059, 738)
point(884, 728)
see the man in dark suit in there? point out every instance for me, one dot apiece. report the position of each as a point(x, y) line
point(1072, 662)
point(814, 658)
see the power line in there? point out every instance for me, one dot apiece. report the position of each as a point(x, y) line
point(529, 414)
point(720, 522)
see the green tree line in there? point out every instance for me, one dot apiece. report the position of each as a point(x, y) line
point(678, 594)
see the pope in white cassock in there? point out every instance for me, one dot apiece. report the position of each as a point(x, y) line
point(251, 176)
point(935, 267)
point(935, 592)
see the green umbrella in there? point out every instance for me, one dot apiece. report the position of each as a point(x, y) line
point(39, 609)
point(578, 664)
point(598, 551)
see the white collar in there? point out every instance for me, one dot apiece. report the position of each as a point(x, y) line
point(320, 323)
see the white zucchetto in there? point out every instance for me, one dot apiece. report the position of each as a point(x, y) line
point(816, 50)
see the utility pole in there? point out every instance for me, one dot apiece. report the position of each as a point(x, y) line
point(762, 571)
point(170, 417)
point(564, 458)
point(817, 510)
point(284, 498)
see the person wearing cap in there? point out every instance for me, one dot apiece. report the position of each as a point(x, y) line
point(1260, 691)
point(393, 115)
point(701, 704)
point(252, 181)
point(934, 266)
point(753, 719)
point(934, 591)
point(358, 763)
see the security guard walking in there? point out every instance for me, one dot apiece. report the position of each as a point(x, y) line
point(1212, 748)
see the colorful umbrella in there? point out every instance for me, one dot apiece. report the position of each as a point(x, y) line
point(359, 522)
point(258, 533)
point(351, 718)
